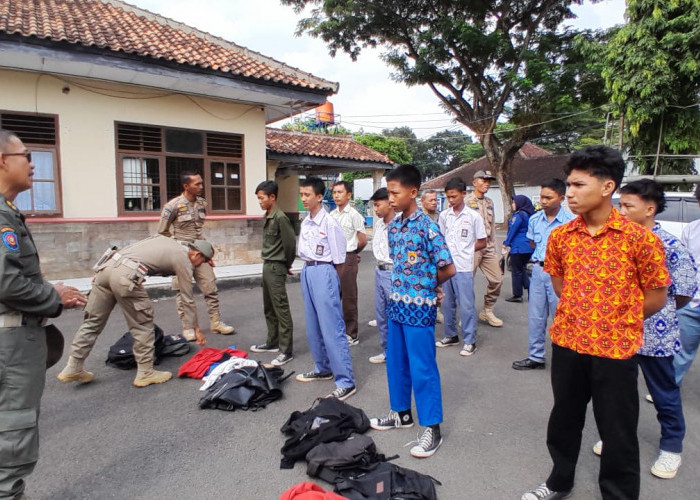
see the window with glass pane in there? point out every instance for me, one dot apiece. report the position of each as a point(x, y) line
point(41, 197)
point(141, 179)
point(225, 186)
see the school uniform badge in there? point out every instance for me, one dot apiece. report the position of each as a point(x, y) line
point(412, 258)
point(9, 238)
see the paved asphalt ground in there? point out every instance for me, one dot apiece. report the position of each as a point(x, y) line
point(108, 439)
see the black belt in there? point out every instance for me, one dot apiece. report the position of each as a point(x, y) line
point(385, 267)
point(538, 262)
point(316, 263)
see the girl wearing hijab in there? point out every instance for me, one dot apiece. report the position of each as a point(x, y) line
point(520, 249)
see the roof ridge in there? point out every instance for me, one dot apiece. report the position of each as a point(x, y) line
point(179, 25)
point(317, 134)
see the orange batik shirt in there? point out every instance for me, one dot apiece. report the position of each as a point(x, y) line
point(601, 308)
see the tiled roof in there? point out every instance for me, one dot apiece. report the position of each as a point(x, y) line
point(531, 166)
point(120, 27)
point(342, 147)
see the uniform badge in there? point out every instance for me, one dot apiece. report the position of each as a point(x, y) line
point(9, 239)
point(473, 204)
point(412, 257)
point(166, 213)
point(465, 232)
point(319, 250)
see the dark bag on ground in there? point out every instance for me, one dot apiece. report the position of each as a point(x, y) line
point(332, 461)
point(328, 419)
point(387, 481)
point(245, 388)
point(121, 354)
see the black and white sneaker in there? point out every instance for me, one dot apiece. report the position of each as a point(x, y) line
point(282, 359)
point(314, 376)
point(427, 444)
point(468, 350)
point(448, 341)
point(351, 341)
point(342, 393)
point(264, 348)
point(392, 421)
point(542, 492)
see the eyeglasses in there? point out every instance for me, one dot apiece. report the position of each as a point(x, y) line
point(27, 155)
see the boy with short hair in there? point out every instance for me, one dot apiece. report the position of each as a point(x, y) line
point(465, 234)
point(322, 247)
point(278, 252)
point(382, 273)
point(421, 262)
point(609, 274)
point(542, 301)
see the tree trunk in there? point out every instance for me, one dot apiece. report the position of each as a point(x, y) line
point(500, 158)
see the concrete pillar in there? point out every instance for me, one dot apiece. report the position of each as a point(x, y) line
point(376, 184)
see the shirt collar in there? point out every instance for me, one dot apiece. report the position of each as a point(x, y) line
point(614, 223)
point(451, 212)
point(273, 213)
point(319, 216)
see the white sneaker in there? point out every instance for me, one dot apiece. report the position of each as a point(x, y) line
point(649, 398)
point(372, 322)
point(666, 466)
point(598, 448)
point(427, 444)
point(378, 359)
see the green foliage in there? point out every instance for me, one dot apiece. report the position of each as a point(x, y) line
point(309, 125)
point(652, 70)
point(395, 149)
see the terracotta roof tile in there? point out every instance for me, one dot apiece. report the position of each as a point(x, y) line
point(120, 27)
point(322, 145)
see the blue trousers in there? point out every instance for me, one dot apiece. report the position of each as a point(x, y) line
point(542, 303)
point(459, 289)
point(382, 290)
point(661, 382)
point(325, 327)
point(411, 364)
point(689, 323)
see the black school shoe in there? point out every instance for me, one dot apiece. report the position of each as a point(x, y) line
point(527, 364)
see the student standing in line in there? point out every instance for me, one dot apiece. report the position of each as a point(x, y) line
point(353, 225)
point(520, 249)
point(609, 274)
point(322, 247)
point(278, 251)
point(421, 262)
point(464, 233)
point(382, 273)
point(542, 301)
point(640, 202)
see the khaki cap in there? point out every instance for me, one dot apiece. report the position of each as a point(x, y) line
point(204, 247)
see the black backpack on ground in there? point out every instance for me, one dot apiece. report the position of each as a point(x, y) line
point(245, 388)
point(121, 354)
point(328, 419)
point(333, 461)
point(387, 481)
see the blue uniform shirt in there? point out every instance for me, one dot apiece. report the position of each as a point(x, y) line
point(539, 228)
point(661, 332)
point(418, 250)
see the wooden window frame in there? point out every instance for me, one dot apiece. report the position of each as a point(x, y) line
point(162, 156)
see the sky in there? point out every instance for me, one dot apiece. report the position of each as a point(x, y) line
point(368, 98)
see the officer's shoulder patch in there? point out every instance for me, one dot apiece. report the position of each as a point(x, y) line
point(473, 204)
point(9, 238)
point(166, 213)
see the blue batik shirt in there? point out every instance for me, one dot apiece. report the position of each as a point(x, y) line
point(661, 332)
point(417, 249)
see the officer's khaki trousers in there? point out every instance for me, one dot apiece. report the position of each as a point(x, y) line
point(487, 261)
point(206, 281)
point(111, 287)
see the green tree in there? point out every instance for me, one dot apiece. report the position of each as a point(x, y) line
point(485, 60)
point(652, 70)
point(394, 148)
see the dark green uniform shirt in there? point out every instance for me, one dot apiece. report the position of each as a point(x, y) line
point(22, 287)
point(279, 242)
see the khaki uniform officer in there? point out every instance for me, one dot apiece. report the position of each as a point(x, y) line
point(26, 300)
point(487, 259)
point(119, 280)
point(183, 218)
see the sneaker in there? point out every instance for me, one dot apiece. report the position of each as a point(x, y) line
point(468, 350)
point(598, 448)
point(391, 421)
point(544, 493)
point(649, 398)
point(378, 359)
point(342, 393)
point(151, 377)
point(264, 348)
point(372, 322)
point(314, 376)
point(666, 466)
point(282, 359)
point(352, 341)
point(427, 445)
point(448, 341)
point(488, 316)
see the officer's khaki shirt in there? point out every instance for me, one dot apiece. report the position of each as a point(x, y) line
point(279, 241)
point(485, 208)
point(164, 256)
point(183, 219)
point(22, 287)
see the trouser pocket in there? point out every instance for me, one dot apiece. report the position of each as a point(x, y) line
point(19, 437)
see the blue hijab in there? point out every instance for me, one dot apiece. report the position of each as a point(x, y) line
point(523, 204)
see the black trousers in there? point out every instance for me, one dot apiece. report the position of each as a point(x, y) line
point(612, 385)
point(519, 277)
